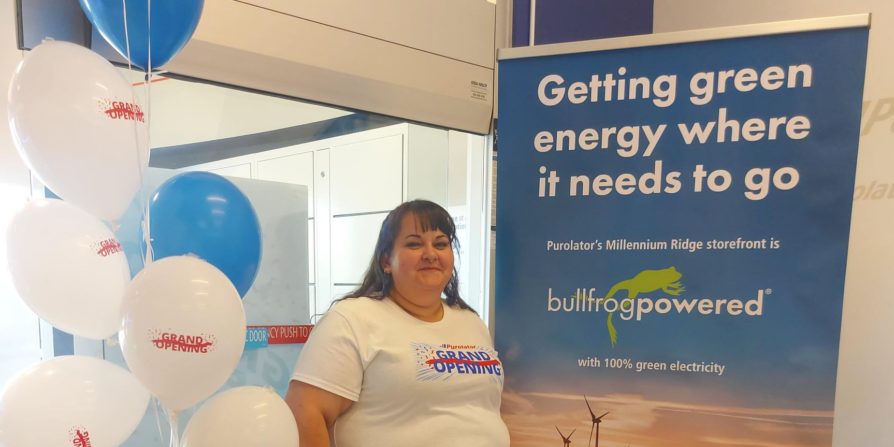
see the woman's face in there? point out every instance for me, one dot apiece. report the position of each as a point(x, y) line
point(421, 261)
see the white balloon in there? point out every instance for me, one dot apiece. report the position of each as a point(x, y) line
point(77, 125)
point(243, 416)
point(183, 330)
point(71, 401)
point(68, 268)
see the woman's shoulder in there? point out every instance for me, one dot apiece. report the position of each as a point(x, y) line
point(358, 307)
point(464, 314)
point(467, 321)
point(461, 310)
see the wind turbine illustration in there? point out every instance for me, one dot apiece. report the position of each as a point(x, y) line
point(595, 422)
point(566, 441)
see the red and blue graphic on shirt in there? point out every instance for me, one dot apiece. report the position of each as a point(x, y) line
point(444, 361)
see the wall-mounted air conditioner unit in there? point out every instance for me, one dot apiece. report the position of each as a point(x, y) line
point(430, 61)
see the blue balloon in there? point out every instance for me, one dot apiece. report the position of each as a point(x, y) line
point(173, 22)
point(206, 215)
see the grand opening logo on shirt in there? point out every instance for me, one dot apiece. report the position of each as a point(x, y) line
point(635, 307)
point(446, 360)
point(170, 341)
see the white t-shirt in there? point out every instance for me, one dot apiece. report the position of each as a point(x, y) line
point(413, 383)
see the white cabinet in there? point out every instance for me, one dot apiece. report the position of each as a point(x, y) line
point(296, 169)
point(353, 181)
point(242, 171)
point(366, 176)
point(353, 241)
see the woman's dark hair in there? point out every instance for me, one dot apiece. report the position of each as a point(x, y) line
point(376, 283)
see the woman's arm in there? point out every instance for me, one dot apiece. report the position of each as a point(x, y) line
point(315, 412)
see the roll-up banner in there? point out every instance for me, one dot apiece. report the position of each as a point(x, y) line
point(672, 216)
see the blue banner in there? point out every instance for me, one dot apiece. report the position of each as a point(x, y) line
point(558, 21)
point(672, 239)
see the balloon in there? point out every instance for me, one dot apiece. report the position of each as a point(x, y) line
point(68, 268)
point(71, 401)
point(76, 125)
point(206, 215)
point(172, 23)
point(184, 330)
point(247, 415)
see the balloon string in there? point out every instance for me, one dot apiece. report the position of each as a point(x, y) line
point(145, 255)
point(145, 205)
point(175, 430)
point(149, 37)
point(142, 193)
point(155, 404)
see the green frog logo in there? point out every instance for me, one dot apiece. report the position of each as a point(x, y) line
point(666, 280)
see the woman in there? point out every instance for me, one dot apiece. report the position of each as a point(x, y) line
point(395, 364)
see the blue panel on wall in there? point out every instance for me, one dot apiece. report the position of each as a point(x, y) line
point(63, 343)
point(521, 19)
point(573, 20)
point(56, 19)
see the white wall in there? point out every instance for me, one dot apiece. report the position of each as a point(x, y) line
point(19, 334)
point(865, 393)
point(12, 170)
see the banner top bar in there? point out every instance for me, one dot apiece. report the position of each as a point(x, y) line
point(727, 32)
